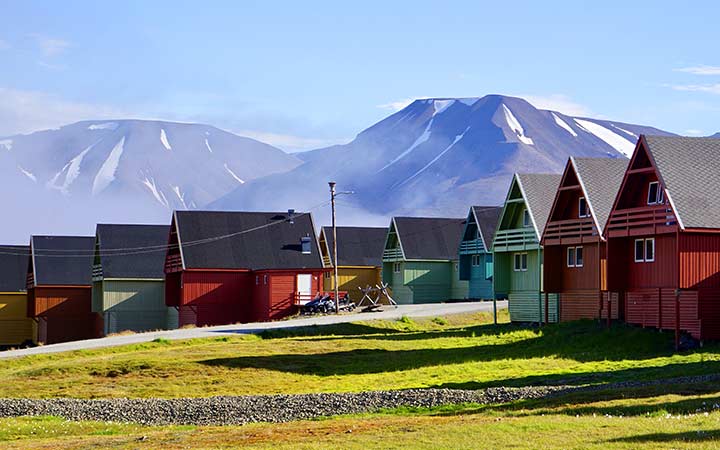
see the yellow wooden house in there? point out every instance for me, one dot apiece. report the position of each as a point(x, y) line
point(360, 252)
point(16, 328)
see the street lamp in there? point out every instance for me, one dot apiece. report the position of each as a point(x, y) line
point(334, 194)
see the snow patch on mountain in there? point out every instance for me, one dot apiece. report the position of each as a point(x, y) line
point(180, 195)
point(207, 144)
point(563, 125)
point(106, 174)
point(514, 125)
point(28, 174)
point(434, 160)
point(237, 178)
point(164, 139)
point(468, 101)
point(158, 194)
point(103, 126)
point(441, 105)
point(624, 130)
point(6, 144)
point(423, 137)
point(614, 140)
point(71, 170)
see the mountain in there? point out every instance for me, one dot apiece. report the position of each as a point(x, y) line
point(128, 170)
point(438, 156)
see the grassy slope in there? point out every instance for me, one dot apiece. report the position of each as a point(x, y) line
point(463, 351)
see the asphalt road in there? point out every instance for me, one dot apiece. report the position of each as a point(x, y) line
point(391, 313)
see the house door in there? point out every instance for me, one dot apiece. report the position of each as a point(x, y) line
point(304, 286)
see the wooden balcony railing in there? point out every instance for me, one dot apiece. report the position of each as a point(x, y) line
point(392, 254)
point(572, 230)
point(471, 247)
point(646, 219)
point(97, 272)
point(515, 239)
point(173, 263)
point(326, 261)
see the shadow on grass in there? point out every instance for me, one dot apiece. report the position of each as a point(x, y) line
point(581, 341)
point(686, 436)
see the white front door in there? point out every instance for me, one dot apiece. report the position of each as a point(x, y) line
point(304, 285)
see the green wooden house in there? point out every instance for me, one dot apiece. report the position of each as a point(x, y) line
point(420, 260)
point(517, 253)
point(476, 258)
point(128, 278)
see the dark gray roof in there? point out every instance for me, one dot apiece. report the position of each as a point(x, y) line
point(357, 246)
point(689, 168)
point(63, 260)
point(134, 259)
point(601, 178)
point(487, 218)
point(430, 237)
point(13, 267)
point(256, 240)
point(539, 191)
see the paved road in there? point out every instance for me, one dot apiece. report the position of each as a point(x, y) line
point(430, 310)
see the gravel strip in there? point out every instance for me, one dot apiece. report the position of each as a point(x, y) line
point(284, 408)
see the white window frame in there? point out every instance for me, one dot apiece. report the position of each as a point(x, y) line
point(397, 268)
point(517, 262)
point(475, 261)
point(635, 250)
point(645, 247)
point(526, 222)
point(659, 194)
point(570, 258)
point(582, 200)
point(645, 250)
point(579, 261)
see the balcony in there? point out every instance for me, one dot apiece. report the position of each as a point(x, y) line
point(392, 254)
point(473, 247)
point(641, 221)
point(572, 231)
point(326, 261)
point(517, 239)
point(97, 272)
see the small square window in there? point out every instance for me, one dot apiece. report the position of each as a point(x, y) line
point(396, 267)
point(655, 194)
point(328, 275)
point(475, 260)
point(571, 257)
point(639, 250)
point(578, 256)
point(526, 218)
point(650, 250)
point(583, 208)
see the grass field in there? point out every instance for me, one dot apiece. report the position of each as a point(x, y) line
point(459, 351)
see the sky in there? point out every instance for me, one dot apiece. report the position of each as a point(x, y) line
point(303, 75)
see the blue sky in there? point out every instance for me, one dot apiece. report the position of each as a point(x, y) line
point(307, 74)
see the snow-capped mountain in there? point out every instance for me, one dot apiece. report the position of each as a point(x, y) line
point(172, 165)
point(438, 156)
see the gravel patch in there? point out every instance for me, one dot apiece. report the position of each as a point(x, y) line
point(239, 410)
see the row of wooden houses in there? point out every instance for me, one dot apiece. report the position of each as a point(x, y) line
point(635, 240)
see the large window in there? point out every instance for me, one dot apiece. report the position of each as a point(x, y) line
point(520, 262)
point(655, 194)
point(645, 250)
point(575, 257)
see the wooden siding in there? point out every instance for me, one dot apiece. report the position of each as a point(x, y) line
point(352, 278)
point(627, 275)
point(135, 305)
point(430, 282)
point(699, 260)
point(401, 293)
point(281, 288)
point(614, 306)
point(576, 305)
point(656, 308)
point(528, 306)
point(560, 278)
point(480, 284)
point(219, 298)
point(64, 314)
point(709, 312)
point(15, 327)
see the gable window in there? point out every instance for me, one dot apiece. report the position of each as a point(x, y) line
point(475, 260)
point(655, 194)
point(526, 218)
point(583, 208)
point(520, 260)
point(396, 267)
point(645, 250)
point(305, 243)
point(575, 257)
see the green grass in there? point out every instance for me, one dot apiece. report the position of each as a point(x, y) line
point(464, 351)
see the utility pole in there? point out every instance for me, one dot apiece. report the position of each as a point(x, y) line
point(334, 259)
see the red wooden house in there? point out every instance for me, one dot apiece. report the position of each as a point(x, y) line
point(574, 249)
point(59, 288)
point(228, 267)
point(664, 236)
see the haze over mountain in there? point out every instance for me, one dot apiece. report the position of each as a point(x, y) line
point(434, 157)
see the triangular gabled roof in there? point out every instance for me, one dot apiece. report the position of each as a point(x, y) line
point(538, 191)
point(429, 238)
point(246, 240)
point(486, 218)
point(62, 260)
point(357, 246)
point(132, 251)
point(13, 267)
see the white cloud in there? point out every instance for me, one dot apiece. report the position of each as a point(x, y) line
point(399, 104)
point(50, 46)
point(710, 88)
point(289, 142)
point(694, 132)
point(558, 102)
point(28, 111)
point(700, 70)
point(4, 45)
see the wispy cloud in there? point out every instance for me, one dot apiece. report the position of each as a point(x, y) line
point(709, 88)
point(694, 132)
point(50, 46)
point(398, 104)
point(4, 45)
point(51, 66)
point(558, 102)
point(700, 70)
point(289, 142)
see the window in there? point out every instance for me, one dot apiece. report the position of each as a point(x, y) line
point(305, 243)
point(257, 280)
point(328, 275)
point(265, 279)
point(475, 260)
point(645, 250)
point(655, 194)
point(571, 257)
point(575, 257)
point(520, 262)
point(650, 250)
point(457, 267)
point(526, 218)
point(396, 267)
point(583, 208)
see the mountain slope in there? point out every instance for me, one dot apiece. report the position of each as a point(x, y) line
point(438, 156)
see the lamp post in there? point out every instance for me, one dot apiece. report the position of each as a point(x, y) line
point(333, 194)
